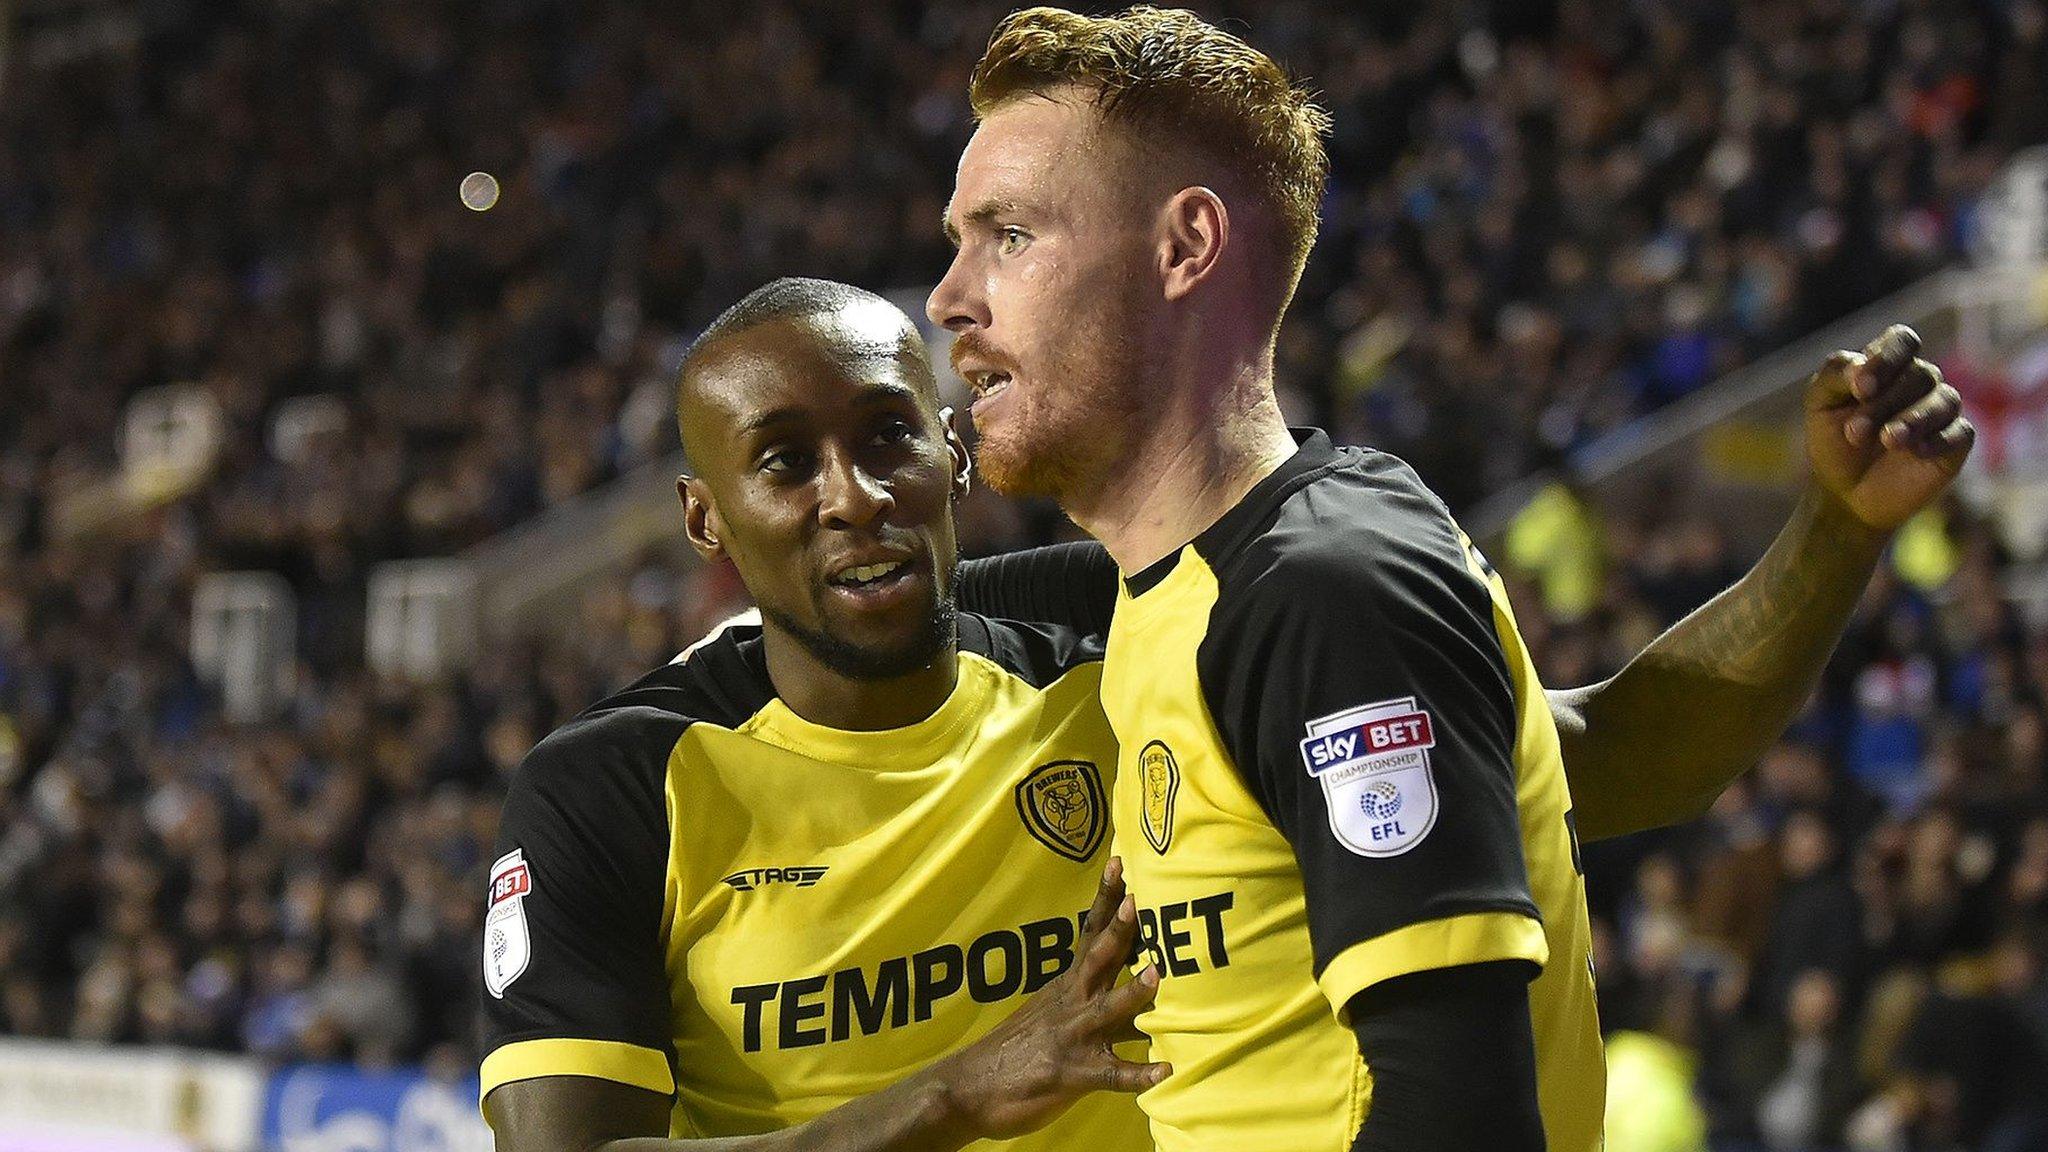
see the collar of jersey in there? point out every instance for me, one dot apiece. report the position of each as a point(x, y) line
point(1312, 450)
point(909, 748)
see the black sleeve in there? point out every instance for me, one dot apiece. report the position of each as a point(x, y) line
point(1453, 1062)
point(572, 948)
point(1353, 669)
point(1070, 584)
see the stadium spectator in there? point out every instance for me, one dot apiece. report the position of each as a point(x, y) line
point(1794, 1079)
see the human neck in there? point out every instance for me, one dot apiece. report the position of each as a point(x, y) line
point(825, 696)
point(1184, 467)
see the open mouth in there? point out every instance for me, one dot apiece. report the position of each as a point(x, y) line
point(890, 584)
point(987, 386)
point(871, 575)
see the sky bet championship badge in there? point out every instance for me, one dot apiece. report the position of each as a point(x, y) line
point(1373, 762)
point(506, 946)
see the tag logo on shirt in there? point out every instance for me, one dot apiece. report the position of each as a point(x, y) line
point(1159, 782)
point(1373, 763)
point(507, 947)
point(748, 879)
point(1061, 806)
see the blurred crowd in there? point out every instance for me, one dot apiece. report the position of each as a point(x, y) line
point(1851, 949)
point(1587, 207)
point(1544, 219)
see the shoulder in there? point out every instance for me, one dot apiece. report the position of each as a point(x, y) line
point(1036, 653)
point(618, 749)
point(1363, 534)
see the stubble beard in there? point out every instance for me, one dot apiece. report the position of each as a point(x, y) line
point(865, 662)
point(1061, 449)
point(1024, 460)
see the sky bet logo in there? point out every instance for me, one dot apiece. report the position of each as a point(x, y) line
point(516, 880)
point(1373, 764)
point(1378, 736)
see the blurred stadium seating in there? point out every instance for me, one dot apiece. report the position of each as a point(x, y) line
point(253, 350)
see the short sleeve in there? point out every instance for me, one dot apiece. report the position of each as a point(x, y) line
point(574, 977)
point(1355, 674)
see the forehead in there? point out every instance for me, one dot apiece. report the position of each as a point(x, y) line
point(801, 364)
point(1028, 146)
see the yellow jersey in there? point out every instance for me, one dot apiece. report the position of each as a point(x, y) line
point(1337, 766)
point(702, 894)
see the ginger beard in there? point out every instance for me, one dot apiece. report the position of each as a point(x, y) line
point(1064, 419)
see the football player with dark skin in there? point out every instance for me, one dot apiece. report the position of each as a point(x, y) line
point(880, 463)
point(818, 448)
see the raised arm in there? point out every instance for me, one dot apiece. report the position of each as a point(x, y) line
point(1658, 742)
point(1068, 584)
point(1041, 1059)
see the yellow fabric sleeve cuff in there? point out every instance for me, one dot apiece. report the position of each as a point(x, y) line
point(1474, 938)
point(602, 1059)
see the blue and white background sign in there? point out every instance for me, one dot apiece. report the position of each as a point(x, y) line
point(336, 1108)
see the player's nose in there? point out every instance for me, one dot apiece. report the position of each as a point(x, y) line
point(955, 304)
point(849, 495)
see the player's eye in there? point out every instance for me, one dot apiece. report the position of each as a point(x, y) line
point(1011, 239)
point(784, 461)
point(895, 431)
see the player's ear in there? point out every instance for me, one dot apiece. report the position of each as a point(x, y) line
point(701, 523)
point(963, 465)
point(1194, 229)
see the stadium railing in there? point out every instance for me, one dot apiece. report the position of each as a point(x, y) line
point(1737, 438)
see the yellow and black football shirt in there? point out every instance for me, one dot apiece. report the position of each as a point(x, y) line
point(1337, 766)
point(702, 894)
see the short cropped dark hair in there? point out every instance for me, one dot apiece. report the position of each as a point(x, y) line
point(790, 298)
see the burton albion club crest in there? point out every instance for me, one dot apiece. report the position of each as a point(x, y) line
point(1159, 780)
point(1062, 807)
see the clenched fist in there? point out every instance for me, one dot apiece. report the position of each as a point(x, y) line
point(1885, 434)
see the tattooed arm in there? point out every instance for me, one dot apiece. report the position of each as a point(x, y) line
point(1658, 742)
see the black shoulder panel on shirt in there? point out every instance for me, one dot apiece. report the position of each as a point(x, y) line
point(1071, 584)
point(1037, 654)
point(1343, 589)
point(587, 811)
point(1360, 536)
point(587, 814)
point(724, 682)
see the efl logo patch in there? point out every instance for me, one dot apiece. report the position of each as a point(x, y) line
point(507, 946)
point(1373, 762)
point(1061, 806)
